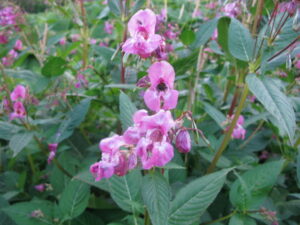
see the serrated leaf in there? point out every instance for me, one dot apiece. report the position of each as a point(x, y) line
point(193, 199)
point(275, 102)
point(256, 182)
point(205, 32)
point(54, 66)
point(240, 41)
point(127, 109)
point(19, 141)
point(125, 189)
point(73, 119)
point(74, 199)
point(114, 7)
point(156, 196)
point(20, 212)
point(214, 113)
point(7, 130)
point(238, 219)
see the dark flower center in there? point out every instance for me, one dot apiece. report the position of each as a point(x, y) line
point(161, 87)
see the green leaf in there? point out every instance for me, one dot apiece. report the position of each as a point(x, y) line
point(205, 32)
point(240, 41)
point(19, 141)
point(87, 218)
point(238, 219)
point(298, 168)
point(214, 113)
point(127, 109)
point(187, 36)
point(73, 119)
point(7, 130)
point(223, 27)
point(275, 102)
point(156, 196)
point(74, 199)
point(54, 66)
point(256, 182)
point(138, 4)
point(20, 212)
point(125, 189)
point(86, 177)
point(114, 7)
point(193, 199)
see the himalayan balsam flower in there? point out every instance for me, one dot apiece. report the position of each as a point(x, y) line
point(40, 187)
point(19, 93)
point(239, 132)
point(161, 93)
point(52, 151)
point(232, 9)
point(297, 64)
point(183, 141)
point(62, 41)
point(143, 40)
point(19, 111)
point(18, 45)
point(108, 27)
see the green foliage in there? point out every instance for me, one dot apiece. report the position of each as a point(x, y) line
point(127, 109)
point(54, 66)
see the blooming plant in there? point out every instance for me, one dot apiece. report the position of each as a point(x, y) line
point(149, 112)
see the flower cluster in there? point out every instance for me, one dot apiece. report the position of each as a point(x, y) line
point(148, 143)
point(18, 94)
point(9, 20)
point(8, 60)
point(232, 9)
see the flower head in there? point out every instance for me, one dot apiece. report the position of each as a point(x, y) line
point(108, 27)
point(162, 76)
point(18, 93)
point(19, 111)
point(183, 141)
point(143, 39)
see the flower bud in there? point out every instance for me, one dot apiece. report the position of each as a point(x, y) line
point(183, 141)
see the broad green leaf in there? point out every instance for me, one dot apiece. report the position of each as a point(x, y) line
point(86, 177)
point(223, 27)
point(187, 36)
point(193, 199)
point(19, 141)
point(54, 66)
point(156, 196)
point(238, 219)
point(256, 182)
point(214, 113)
point(275, 102)
point(125, 189)
point(74, 199)
point(20, 212)
point(114, 6)
point(240, 42)
point(73, 119)
point(127, 109)
point(5, 219)
point(87, 218)
point(205, 32)
point(7, 130)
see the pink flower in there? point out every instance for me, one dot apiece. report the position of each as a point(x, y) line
point(162, 77)
point(40, 187)
point(75, 37)
point(232, 9)
point(215, 35)
point(104, 2)
point(252, 98)
point(103, 44)
point(9, 59)
point(108, 27)
point(93, 41)
point(18, 45)
point(297, 64)
point(143, 39)
point(62, 41)
point(82, 81)
point(19, 111)
point(282, 74)
point(3, 38)
point(211, 5)
point(18, 93)
point(52, 151)
point(239, 132)
point(183, 141)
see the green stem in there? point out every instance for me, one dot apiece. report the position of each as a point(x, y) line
point(147, 220)
point(220, 219)
point(227, 137)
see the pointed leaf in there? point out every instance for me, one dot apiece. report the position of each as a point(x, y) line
point(156, 196)
point(127, 109)
point(19, 141)
point(241, 220)
point(275, 102)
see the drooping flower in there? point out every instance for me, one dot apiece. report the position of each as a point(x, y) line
point(52, 151)
point(161, 93)
point(18, 45)
point(183, 141)
point(19, 93)
point(239, 132)
point(108, 27)
point(19, 111)
point(143, 40)
point(232, 9)
point(40, 187)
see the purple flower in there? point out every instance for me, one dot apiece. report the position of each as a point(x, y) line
point(239, 132)
point(19, 111)
point(18, 93)
point(232, 9)
point(18, 45)
point(183, 141)
point(62, 41)
point(143, 39)
point(108, 27)
point(40, 187)
point(161, 93)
